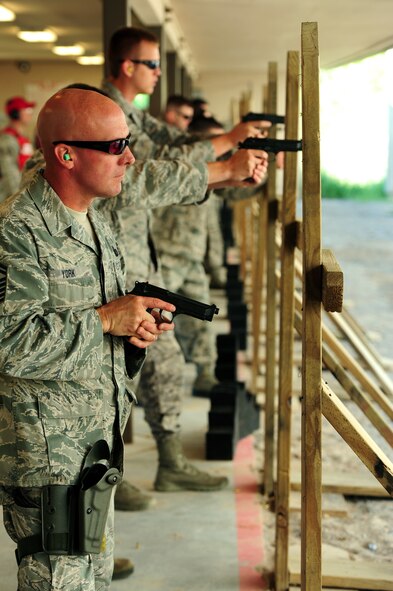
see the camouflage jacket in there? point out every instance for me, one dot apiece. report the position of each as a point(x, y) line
point(9, 170)
point(62, 381)
point(182, 231)
point(147, 185)
point(151, 138)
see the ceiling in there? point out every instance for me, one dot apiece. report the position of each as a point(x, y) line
point(219, 35)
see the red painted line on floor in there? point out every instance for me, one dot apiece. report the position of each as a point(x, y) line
point(248, 517)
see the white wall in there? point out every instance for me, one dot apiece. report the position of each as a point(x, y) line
point(220, 88)
point(42, 80)
point(46, 77)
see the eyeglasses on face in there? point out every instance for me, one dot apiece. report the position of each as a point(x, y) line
point(151, 64)
point(115, 147)
point(186, 117)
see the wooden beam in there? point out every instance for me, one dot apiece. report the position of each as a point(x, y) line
point(311, 333)
point(271, 300)
point(357, 395)
point(332, 282)
point(357, 438)
point(258, 279)
point(349, 574)
point(356, 483)
point(365, 353)
point(358, 372)
point(285, 382)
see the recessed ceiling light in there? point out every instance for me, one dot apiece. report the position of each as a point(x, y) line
point(90, 60)
point(6, 15)
point(45, 36)
point(68, 49)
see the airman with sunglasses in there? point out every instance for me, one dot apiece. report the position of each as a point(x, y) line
point(64, 322)
point(178, 111)
point(135, 68)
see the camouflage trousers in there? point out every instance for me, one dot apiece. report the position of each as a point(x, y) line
point(160, 384)
point(48, 572)
point(195, 336)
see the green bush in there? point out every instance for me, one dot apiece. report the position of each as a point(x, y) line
point(335, 189)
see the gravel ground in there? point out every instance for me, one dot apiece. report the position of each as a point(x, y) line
point(361, 237)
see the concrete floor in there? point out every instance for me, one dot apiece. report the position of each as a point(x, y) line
point(188, 541)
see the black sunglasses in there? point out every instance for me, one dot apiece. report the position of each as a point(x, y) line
point(186, 117)
point(114, 147)
point(151, 64)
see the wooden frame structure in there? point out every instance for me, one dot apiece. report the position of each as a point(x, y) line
point(322, 283)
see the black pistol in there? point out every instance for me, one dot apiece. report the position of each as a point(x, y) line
point(271, 117)
point(271, 145)
point(183, 304)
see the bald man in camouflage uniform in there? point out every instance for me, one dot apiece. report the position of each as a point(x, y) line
point(148, 184)
point(134, 67)
point(63, 314)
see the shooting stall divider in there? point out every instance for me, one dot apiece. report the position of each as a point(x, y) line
point(322, 283)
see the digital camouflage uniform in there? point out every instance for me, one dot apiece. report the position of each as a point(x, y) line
point(181, 235)
point(215, 249)
point(10, 174)
point(161, 378)
point(147, 185)
point(62, 381)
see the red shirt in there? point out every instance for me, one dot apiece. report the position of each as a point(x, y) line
point(25, 147)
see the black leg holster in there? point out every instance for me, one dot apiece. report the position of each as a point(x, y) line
point(74, 517)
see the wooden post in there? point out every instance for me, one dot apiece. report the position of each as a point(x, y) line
point(288, 245)
point(258, 285)
point(271, 289)
point(311, 541)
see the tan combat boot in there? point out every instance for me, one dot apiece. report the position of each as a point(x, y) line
point(176, 473)
point(204, 382)
point(122, 568)
point(130, 498)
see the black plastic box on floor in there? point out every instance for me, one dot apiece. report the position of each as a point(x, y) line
point(234, 290)
point(237, 315)
point(220, 444)
point(233, 272)
point(226, 364)
point(221, 417)
point(234, 414)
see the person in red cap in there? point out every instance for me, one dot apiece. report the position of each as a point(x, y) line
point(15, 147)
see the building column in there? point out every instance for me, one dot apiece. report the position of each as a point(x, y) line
point(159, 96)
point(173, 73)
point(115, 15)
point(186, 83)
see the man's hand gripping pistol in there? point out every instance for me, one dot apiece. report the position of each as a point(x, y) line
point(183, 304)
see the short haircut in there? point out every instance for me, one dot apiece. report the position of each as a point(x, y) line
point(178, 100)
point(123, 42)
point(199, 105)
point(83, 86)
point(204, 125)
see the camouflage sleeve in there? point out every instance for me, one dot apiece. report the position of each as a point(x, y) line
point(238, 193)
point(157, 140)
point(9, 169)
point(154, 183)
point(38, 340)
point(31, 167)
point(215, 251)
